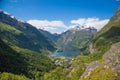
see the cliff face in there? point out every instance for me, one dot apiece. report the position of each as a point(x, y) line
point(112, 57)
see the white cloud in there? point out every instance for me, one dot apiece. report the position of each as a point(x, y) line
point(51, 26)
point(57, 26)
point(91, 22)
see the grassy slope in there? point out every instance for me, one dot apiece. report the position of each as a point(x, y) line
point(10, 76)
point(23, 61)
point(28, 37)
point(18, 60)
point(101, 74)
point(108, 35)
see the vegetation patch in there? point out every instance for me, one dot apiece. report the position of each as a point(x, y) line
point(101, 74)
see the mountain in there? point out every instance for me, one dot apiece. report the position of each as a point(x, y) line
point(20, 60)
point(23, 50)
point(103, 61)
point(106, 46)
point(108, 35)
point(23, 34)
point(54, 37)
point(76, 38)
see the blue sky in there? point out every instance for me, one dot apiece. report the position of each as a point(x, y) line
point(59, 15)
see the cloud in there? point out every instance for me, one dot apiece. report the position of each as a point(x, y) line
point(51, 26)
point(90, 22)
point(57, 26)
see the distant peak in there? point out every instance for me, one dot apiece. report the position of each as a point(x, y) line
point(4, 12)
point(21, 21)
point(10, 16)
point(75, 28)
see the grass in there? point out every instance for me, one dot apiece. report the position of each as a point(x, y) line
point(8, 28)
point(101, 74)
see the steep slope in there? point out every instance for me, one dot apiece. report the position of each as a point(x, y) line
point(106, 44)
point(10, 59)
point(10, 76)
point(107, 69)
point(23, 61)
point(76, 38)
point(54, 37)
point(24, 35)
point(21, 46)
point(109, 35)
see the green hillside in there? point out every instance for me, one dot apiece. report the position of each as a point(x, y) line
point(24, 35)
point(109, 35)
point(23, 50)
point(32, 41)
point(23, 61)
point(10, 76)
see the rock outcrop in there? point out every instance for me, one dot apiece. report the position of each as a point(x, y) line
point(90, 67)
point(111, 59)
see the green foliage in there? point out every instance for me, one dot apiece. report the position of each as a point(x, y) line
point(78, 67)
point(8, 28)
point(74, 71)
point(81, 59)
point(101, 74)
point(56, 74)
point(10, 76)
point(109, 35)
point(22, 49)
point(106, 28)
point(108, 38)
point(37, 62)
point(23, 61)
point(10, 60)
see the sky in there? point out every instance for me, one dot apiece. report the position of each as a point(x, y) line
point(57, 16)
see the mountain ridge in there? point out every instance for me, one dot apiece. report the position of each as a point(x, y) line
point(29, 46)
point(76, 38)
point(30, 34)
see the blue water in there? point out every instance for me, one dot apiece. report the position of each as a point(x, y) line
point(65, 53)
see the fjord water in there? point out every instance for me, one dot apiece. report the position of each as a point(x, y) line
point(65, 53)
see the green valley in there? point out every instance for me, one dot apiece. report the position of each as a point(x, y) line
point(79, 53)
